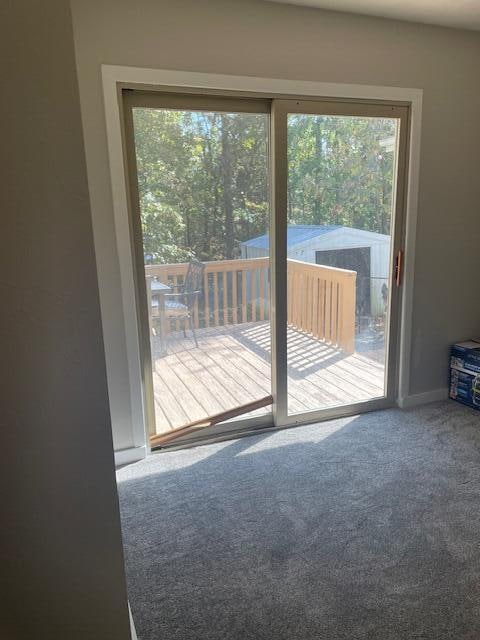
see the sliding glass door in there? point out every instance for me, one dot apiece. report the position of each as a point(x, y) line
point(267, 236)
point(199, 181)
point(339, 188)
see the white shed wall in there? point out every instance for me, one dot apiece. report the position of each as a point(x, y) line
point(379, 267)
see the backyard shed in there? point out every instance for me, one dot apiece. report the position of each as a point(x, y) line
point(365, 252)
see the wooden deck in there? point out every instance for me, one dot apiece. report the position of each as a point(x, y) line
point(231, 366)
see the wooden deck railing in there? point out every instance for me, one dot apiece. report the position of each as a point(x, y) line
point(320, 300)
point(234, 291)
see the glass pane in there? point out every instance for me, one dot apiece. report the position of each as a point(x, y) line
point(341, 175)
point(202, 179)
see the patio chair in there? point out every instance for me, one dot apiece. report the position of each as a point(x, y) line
point(181, 304)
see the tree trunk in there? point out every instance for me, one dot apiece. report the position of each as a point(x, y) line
point(226, 169)
point(317, 205)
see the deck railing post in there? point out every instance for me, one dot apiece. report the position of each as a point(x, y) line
point(346, 313)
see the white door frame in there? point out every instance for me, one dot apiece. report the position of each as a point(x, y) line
point(115, 78)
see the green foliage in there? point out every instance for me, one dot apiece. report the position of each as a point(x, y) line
point(339, 173)
point(203, 178)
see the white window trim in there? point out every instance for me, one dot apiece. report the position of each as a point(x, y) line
point(113, 75)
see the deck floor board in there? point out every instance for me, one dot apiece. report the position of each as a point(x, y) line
point(231, 366)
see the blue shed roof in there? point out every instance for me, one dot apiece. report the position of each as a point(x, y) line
point(296, 233)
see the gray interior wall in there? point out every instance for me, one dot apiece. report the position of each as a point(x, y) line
point(265, 39)
point(62, 575)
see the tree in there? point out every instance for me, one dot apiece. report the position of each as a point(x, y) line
point(338, 171)
point(203, 178)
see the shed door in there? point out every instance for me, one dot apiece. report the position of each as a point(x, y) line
point(355, 259)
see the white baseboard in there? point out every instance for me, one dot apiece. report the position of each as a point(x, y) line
point(127, 456)
point(423, 398)
point(133, 631)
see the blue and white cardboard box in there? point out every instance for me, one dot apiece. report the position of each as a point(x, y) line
point(466, 355)
point(465, 373)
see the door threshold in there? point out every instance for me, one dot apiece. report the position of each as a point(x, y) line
point(301, 420)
